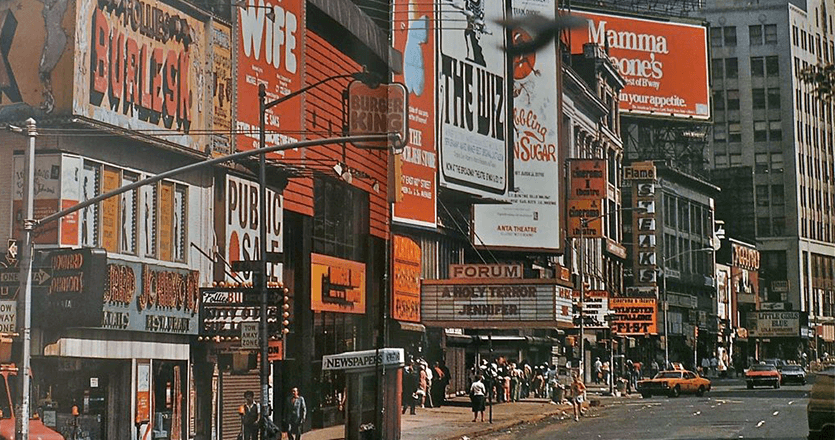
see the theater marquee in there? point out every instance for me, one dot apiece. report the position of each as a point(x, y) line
point(495, 304)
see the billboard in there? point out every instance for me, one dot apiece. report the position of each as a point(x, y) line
point(634, 316)
point(773, 324)
point(406, 280)
point(665, 64)
point(222, 88)
point(587, 179)
point(242, 230)
point(413, 34)
point(377, 110)
point(532, 219)
point(336, 285)
point(494, 303)
point(472, 94)
point(270, 40)
point(585, 218)
point(141, 69)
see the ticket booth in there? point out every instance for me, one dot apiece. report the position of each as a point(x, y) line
point(373, 387)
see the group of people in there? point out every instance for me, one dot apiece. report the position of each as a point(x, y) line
point(252, 420)
point(510, 381)
point(424, 386)
point(478, 396)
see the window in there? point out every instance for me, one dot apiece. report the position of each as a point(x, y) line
point(733, 99)
point(760, 131)
point(761, 162)
point(775, 130)
point(670, 211)
point(129, 215)
point(763, 226)
point(718, 68)
point(716, 37)
point(731, 68)
point(149, 218)
point(773, 98)
point(734, 132)
point(777, 197)
point(777, 162)
point(772, 66)
point(771, 34)
point(337, 226)
point(730, 35)
point(762, 195)
point(718, 100)
point(180, 232)
point(757, 67)
point(758, 98)
point(736, 159)
point(794, 35)
point(720, 161)
point(755, 35)
point(720, 132)
point(90, 180)
point(803, 39)
point(683, 215)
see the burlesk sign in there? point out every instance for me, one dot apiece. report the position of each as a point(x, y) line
point(140, 66)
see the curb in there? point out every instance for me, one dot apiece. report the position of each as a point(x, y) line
point(501, 426)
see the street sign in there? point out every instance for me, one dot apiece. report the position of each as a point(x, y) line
point(249, 335)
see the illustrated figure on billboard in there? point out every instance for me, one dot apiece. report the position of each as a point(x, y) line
point(473, 10)
point(413, 64)
point(745, 285)
point(523, 65)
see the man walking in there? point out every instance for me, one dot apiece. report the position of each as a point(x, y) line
point(295, 414)
point(250, 416)
point(598, 374)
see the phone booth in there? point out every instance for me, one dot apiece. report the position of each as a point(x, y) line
point(372, 379)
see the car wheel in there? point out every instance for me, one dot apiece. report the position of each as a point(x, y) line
point(776, 384)
point(646, 395)
point(750, 386)
point(700, 392)
point(675, 392)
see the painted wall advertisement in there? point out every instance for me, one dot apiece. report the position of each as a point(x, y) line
point(56, 187)
point(406, 288)
point(141, 69)
point(533, 218)
point(773, 324)
point(222, 89)
point(634, 316)
point(270, 53)
point(665, 64)
point(413, 34)
point(337, 285)
point(242, 226)
point(495, 303)
point(471, 97)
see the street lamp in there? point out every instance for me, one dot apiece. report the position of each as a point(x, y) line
point(584, 222)
point(667, 304)
point(367, 78)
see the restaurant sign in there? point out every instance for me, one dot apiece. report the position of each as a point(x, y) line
point(74, 295)
point(495, 303)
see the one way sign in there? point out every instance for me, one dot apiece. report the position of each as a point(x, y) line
point(10, 281)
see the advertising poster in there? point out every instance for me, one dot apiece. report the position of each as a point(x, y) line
point(633, 316)
point(406, 291)
point(413, 34)
point(47, 193)
point(472, 97)
point(139, 77)
point(589, 210)
point(588, 179)
point(744, 285)
point(222, 89)
point(143, 391)
point(774, 324)
point(533, 218)
point(269, 53)
point(337, 285)
point(242, 230)
point(494, 303)
point(665, 64)
point(110, 215)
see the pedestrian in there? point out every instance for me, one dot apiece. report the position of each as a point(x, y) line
point(637, 375)
point(606, 371)
point(705, 368)
point(250, 413)
point(423, 385)
point(597, 373)
point(410, 385)
point(295, 412)
point(653, 368)
point(515, 375)
point(714, 365)
point(578, 391)
point(551, 379)
point(429, 380)
point(438, 387)
point(477, 394)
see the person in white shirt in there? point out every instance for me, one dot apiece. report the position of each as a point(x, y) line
point(477, 395)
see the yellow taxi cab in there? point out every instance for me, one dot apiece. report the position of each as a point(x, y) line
point(673, 383)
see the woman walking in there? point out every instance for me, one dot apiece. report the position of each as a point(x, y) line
point(578, 392)
point(477, 393)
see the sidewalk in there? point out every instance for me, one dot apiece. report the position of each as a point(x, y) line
point(454, 421)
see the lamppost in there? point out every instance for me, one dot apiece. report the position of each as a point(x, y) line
point(584, 222)
point(666, 302)
point(367, 78)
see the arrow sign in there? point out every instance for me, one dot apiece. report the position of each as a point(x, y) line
point(41, 276)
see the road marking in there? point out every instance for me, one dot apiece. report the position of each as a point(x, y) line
point(762, 422)
point(775, 413)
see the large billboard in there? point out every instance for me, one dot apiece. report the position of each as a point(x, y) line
point(242, 226)
point(472, 104)
point(532, 219)
point(270, 39)
point(406, 280)
point(336, 285)
point(413, 34)
point(665, 64)
point(141, 68)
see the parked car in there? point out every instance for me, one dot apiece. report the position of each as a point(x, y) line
point(779, 363)
point(762, 374)
point(793, 373)
point(673, 383)
point(820, 411)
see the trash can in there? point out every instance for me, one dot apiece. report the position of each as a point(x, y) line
point(367, 431)
point(559, 394)
point(621, 385)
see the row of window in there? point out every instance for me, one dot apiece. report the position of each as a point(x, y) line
point(777, 195)
point(818, 138)
point(816, 230)
point(771, 227)
point(150, 222)
point(763, 131)
point(812, 43)
point(761, 67)
point(758, 34)
point(818, 199)
point(686, 216)
point(686, 260)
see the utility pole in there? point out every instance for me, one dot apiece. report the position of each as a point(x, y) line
point(22, 421)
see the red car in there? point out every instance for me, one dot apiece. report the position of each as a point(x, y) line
point(762, 374)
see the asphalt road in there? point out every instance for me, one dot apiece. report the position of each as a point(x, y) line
point(729, 411)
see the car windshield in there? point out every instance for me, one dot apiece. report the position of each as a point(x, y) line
point(668, 375)
point(792, 369)
point(763, 368)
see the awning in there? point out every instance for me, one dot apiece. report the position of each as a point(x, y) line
point(109, 349)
